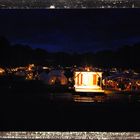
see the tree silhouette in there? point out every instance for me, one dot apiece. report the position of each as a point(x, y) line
point(20, 55)
point(4, 43)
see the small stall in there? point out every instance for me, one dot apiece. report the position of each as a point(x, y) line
point(88, 81)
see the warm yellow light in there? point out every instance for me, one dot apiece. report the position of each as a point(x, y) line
point(30, 76)
point(2, 71)
point(30, 67)
point(88, 81)
point(87, 68)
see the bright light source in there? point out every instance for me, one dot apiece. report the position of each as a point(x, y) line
point(31, 66)
point(52, 7)
point(45, 68)
point(2, 71)
point(88, 81)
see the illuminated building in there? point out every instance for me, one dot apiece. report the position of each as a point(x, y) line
point(88, 81)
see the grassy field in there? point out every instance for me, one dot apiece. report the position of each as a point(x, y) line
point(31, 106)
point(39, 112)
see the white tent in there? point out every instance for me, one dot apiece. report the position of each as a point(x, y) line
point(53, 77)
point(56, 77)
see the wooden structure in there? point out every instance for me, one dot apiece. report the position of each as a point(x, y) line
point(88, 81)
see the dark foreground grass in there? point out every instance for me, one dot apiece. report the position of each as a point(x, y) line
point(39, 113)
point(30, 106)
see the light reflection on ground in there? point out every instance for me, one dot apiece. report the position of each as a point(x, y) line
point(83, 98)
point(92, 98)
point(95, 99)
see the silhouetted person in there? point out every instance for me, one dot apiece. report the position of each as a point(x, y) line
point(99, 81)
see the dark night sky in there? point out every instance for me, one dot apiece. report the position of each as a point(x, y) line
point(72, 30)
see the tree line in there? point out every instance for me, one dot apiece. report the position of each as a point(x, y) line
point(21, 55)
